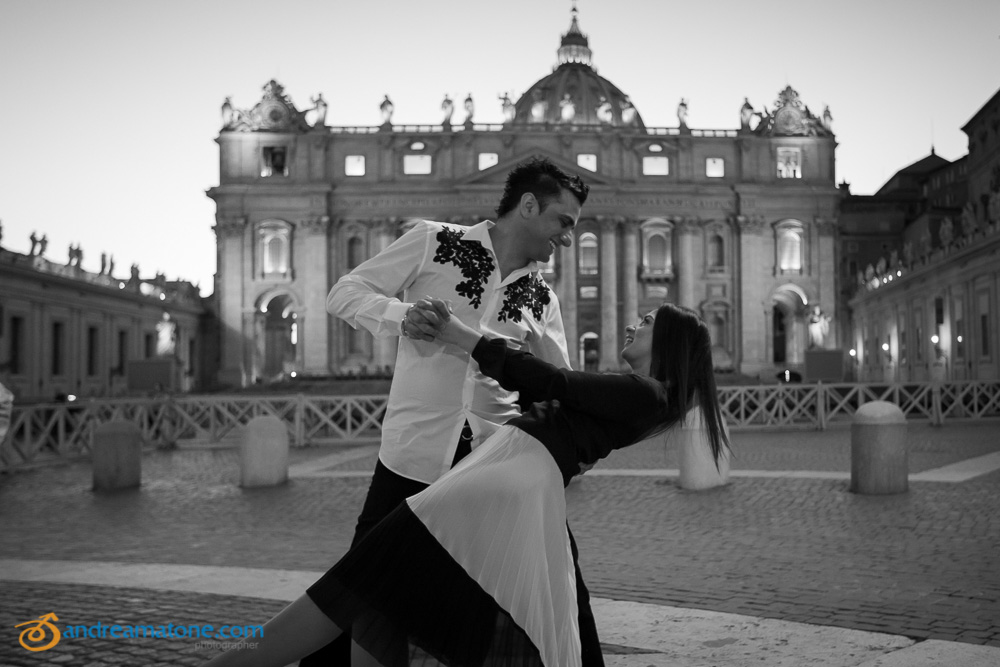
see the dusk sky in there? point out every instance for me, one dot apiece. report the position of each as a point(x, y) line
point(112, 107)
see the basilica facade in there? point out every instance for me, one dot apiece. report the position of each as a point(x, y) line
point(739, 224)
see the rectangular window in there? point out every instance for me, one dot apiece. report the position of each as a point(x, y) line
point(93, 340)
point(416, 165)
point(58, 352)
point(122, 350)
point(16, 345)
point(487, 160)
point(715, 167)
point(655, 166)
point(588, 292)
point(789, 163)
point(918, 330)
point(354, 165)
point(149, 345)
point(587, 161)
point(274, 161)
point(902, 347)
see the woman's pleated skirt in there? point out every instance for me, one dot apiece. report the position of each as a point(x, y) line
point(475, 570)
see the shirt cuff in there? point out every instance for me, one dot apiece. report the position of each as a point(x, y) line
point(394, 314)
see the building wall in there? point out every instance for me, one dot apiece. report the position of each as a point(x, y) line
point(62, 329)
point(323, 209)
point(927, 307)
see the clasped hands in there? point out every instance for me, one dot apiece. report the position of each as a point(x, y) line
point(429, 319)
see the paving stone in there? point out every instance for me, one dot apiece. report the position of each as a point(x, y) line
point(921, 564)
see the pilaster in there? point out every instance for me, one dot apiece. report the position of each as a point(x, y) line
point(609, 293)
point(314, 323)
point(630, 270)
point(230, 233)
point(687, 229)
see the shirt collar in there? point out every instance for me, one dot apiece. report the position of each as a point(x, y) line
point(481, 233)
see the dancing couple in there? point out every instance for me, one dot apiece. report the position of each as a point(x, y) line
point(462, 547)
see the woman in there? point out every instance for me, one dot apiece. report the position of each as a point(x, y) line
point(477, 569)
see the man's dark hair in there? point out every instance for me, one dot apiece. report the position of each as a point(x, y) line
point(544, 180)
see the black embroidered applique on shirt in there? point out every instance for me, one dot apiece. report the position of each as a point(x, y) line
point(527, 291)
point(472, 258)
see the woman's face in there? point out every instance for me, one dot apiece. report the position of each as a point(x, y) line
point(638, 350)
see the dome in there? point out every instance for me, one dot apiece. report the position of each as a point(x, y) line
point(575, 94)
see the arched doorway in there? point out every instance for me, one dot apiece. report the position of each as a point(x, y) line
point(779, 335)
point(276, 333)
point(788, 340)
point(590, 351)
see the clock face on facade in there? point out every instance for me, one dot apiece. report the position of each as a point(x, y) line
point(273, 115)
point(788, 121)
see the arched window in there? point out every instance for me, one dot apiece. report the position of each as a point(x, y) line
point(657, 249)
point(588, 253)
point(790, 246)
point(657, 253)
point(355, 252)
point(716, 252)
point(274, 249)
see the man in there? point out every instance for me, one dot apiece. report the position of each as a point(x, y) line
point(440, 405)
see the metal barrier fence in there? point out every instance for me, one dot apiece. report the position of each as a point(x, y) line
point(41, 433)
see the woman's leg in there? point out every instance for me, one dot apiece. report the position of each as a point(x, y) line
point(297, 630)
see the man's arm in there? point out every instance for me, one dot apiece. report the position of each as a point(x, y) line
point(366, 296)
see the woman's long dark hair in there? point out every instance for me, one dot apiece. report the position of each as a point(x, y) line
point(682, 359)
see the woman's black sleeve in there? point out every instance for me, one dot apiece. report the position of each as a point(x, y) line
point(603, 395)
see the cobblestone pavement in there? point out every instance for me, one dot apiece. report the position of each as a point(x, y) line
point(921, 564)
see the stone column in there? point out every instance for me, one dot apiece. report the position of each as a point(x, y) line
point(568, 294)
point(230, 232)
point(687, 229)
point(754, 276)
point(384, 350)
point(825, 270)
point(609, 294)
point(314, 329)
point(630, 270)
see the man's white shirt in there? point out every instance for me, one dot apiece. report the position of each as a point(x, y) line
point(437, 388)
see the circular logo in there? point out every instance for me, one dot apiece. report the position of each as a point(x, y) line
point(43, 630)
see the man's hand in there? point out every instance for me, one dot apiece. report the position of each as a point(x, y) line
point(423, 320)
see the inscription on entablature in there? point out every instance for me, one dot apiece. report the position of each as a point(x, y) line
point(611, 202)
point(673, 203)
point(411, 203)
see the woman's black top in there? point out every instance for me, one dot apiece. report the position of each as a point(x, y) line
point(579, 417)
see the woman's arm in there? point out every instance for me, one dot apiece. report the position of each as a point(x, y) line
point(603, 395)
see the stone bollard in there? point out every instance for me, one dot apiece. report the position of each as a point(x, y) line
point(117, 456)
point(879, 463)
point(264, 452)
point(697, 467)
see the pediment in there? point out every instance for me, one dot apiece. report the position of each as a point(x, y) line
point(274, 113)
point(497, 174)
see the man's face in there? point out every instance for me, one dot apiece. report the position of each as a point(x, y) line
point(547, 230)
